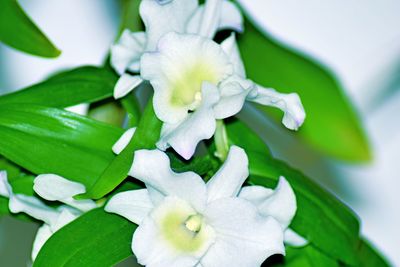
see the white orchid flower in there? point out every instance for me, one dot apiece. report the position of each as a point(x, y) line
point(186, 222)
point(53, 188)
point(197, 81)
point(161, 17)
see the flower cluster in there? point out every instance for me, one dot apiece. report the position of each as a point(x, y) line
point(195, 79)
point(183, 220)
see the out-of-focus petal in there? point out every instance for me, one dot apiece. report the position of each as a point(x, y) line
point(125, 84)
point(230, 47)
point(53, 187)
point(171, 16)
point(126, 53)
point(123, 141)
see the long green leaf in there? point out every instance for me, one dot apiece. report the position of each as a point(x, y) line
point(50, 140)
point(321, 218)
point(331, 126)
point(82, 85)
point(95, 239)
point(145, 137)
point(18, 31)
point(369, 257)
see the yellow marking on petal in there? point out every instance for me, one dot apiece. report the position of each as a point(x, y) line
point(187, 89)
point(179, 234)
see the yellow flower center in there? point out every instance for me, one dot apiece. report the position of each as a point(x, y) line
point(183, 232)
point(186, 89)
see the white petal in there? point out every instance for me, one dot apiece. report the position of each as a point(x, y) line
point(42, 235)
point(66, 215)
point(161, 240)
point(234, 92)
point(152, 167)
point(210, 19)
point(125, 84)
point(244, 238)
point(293, 239)
point(123, 141)
point(290, 104)
point(161, 19)
point(56, 188)
point(213, 16)
point(280, 204)
point(126, 53)
point(33, 207)
point(81, 109)
point(230, 177)
point(255, 194)
point(133, 205)
point(5, 187)
point(230, 47)
point(199, 125)
point(231, 17)
point(179, 69)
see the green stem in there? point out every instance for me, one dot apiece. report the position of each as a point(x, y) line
point(221, 141)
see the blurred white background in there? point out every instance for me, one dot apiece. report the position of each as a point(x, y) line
point(358, 39)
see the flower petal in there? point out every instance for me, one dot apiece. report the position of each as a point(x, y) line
point(152, 167)
point(178, 70)
point(293, 239)
point(126, 53)
point(234, 92)
point(210, 19)
point(231, 17)
point(230, 47)
point(33, 207)
point(42, 235)
point(53, 187)
point(133, 205)
point(230, 177)
point(125, 84)
point(199, 125)
point(161, 240)
point(244, 238)
point(290, 104)
point(161, 19)
point(123, 141)
point(280, 204)
point(5, 187)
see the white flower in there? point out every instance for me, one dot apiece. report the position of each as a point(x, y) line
point(161, 17)
point(197, 81)
point(185, 222)
point(53, 188)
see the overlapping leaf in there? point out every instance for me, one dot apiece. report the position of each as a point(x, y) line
point(50, 140)
point(18, 31)
point(332, 125)
point(82, 85)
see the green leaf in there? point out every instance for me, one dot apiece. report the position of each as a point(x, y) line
point(369, 257)
point(50, 140)
point(95, 239)
point(130, 16)
point(82, 85)
point(146, 135)
point(321, 218)
point(242, 135)
point(306, 257)
point(18, 31)
point(332, 125)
